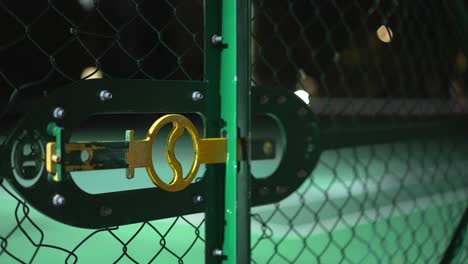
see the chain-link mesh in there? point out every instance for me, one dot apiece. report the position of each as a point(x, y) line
point(26, 236)
point(364, 61)
point(385, 203)
point(46, 44)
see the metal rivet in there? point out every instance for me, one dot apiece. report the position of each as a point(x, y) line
point(264, 191)
point(264, 99)
point(197, 199)
point(302, 174)
point(197, 96)
point(55, 158)
point(281, 100)
point(105, 95)
point(59, 113)
point(105, 211)
point(302, 111)
point(281, 189)
point(216, 39)
point(217, 252)
point(58, 200)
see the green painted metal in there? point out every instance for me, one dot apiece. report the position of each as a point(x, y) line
point(244, 118)
point(229, 115)
point(80, 202)
point(299, 132)
point(106, 209)
point(214, 194)
point(304, 143)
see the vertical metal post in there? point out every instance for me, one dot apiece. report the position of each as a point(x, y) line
point(235, 110)
point(229, 114)
point(214, 200)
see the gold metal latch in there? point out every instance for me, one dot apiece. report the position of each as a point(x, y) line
point(133, 154)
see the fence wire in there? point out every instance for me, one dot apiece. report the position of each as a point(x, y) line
point(382, 203)
point(45, 44)
point(361, 61)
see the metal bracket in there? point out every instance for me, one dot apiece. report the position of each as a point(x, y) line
point(88, 210)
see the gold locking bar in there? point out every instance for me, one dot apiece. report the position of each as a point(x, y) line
point(139, 153)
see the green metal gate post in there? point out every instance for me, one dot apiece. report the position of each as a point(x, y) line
point(235, 86)
point(214, 210)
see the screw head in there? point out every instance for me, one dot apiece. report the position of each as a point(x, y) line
point(281, 189)
point(105, 95)
point(302, 111)
point(58, 200)
point(302, 174)
point(59, 113)
point(197, 96)
point(217, 252)
point(264, 99)
point(281, 100)
point(264, 191)
point(216, 39)
point(105, 211)
point(197, 199)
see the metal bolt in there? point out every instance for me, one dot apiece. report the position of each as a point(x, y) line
point(197, 199)
point(105, 95)
point(55, 158)
point(216, 39)
point(264, 191)
point(58, 200)
point(302, 111)
point(281, 100)
point(281, 189)
point(302, 174)
point(197, 96)
point(264, 99)
point(59, 113)
point(105, 211)
point(217, 252)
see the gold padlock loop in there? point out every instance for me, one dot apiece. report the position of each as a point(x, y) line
point(180, 123)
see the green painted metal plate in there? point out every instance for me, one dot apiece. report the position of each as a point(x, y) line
point(80, 100)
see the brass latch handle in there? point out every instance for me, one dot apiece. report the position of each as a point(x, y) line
point(133, 153)
point(208, 151)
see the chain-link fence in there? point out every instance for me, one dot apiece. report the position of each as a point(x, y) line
point(354, 62)
point(358, 62)
point(47, 44)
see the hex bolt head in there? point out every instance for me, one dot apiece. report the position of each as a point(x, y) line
point(59, 113)
point(264, 99)
point(216, 39)
point(105, 95)
point(217, 252)
point(264, 191)
point(105, 211)
point(302, 174)
point(197, 96)
point(58, 200)
point(197, 199)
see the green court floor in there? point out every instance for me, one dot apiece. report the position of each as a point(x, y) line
point(394, 203)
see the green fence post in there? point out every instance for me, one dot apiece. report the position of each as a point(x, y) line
point(214, 212)
point(235, 110)
point(229, 114)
